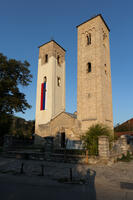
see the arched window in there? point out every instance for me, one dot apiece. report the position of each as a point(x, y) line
point(58, 81)
point(46, 58)
point(88, 39)
point(45, 79)
point(104, 51)
point(105, 69)
point(58, 60)
point(88, 67)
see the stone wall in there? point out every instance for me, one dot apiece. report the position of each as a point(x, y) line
point(94, 91)
point(119, 147)
point(103, 147)
point(111, 154)
point(64, 122)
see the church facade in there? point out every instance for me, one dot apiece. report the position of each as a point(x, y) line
point(94, 90)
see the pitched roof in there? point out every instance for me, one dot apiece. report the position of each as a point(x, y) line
point(71, 115)
point(54, 42)
point(93, 18)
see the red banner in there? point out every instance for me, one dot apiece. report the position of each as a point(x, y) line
point(42, 87)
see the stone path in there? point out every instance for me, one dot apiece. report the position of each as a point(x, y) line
point(113, 175)
point(107, 182)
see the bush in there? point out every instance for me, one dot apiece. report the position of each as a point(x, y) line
point(126, 158)
point(90, 139)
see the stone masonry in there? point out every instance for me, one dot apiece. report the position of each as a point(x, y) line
point(124, 146)
point(94, 93)
point(103, 147)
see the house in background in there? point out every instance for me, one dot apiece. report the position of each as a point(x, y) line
point(125, 128)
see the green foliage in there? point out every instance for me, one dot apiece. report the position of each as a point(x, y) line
point(126, 158)
point(22, 128)
point(5, 124)
point(90, 139)
point(13, 73)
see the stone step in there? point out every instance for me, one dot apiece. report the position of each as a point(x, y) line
point(43, 156)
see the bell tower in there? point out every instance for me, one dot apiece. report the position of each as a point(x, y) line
point(50, 99)
point(94, 90)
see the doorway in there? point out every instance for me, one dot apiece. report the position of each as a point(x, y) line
point(63, 140)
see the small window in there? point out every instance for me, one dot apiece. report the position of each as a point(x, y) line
point(89, 39)
point(89, 67)
point(58, 81)
point(45, 79)
point(104, 36)
point(58, 60)
point(105, 69)
point(46, 58)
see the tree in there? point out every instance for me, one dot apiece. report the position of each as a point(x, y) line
point(90, 139)
point(22, 128)
point(13, 73)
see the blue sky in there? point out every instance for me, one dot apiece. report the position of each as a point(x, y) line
point(26, 24)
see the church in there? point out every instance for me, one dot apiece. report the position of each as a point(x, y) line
point(94, 89)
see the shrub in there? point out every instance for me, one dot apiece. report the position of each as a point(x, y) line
point(126, 158)
point(90, 139)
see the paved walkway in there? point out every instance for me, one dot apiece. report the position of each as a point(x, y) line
point(101, 182)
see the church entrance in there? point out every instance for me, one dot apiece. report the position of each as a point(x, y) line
point(63, 140)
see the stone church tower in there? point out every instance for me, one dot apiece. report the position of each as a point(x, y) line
point(94, 91)
point(50, 100)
